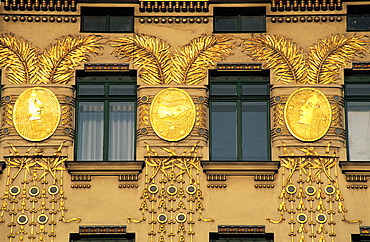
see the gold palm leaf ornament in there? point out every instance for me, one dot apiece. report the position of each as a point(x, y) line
point(58, 62)
point(25, 65)
point(193, 60)
point(19, 58)
point(157, 65)
point(321, 65)
point(280, 54)
point(328, 56)
point(151, 55)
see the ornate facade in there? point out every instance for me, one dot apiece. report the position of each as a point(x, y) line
point(184, 121)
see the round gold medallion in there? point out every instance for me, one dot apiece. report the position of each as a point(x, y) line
point(307, 114)
point(36, 114)
point(172, 114)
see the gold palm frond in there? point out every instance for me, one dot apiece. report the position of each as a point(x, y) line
point(192, 61)
point(328, 56)
point(19, 58)
point(58, 62)
point(151, 54)
point(281, 55)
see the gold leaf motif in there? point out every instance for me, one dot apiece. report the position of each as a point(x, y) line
point(150, 54)
point(281, 55)
point(19, 58)
point(327, 57)
point(157, 65)
point(25, 65)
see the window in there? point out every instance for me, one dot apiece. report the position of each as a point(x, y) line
point(239, 19)
point(239, 118)
point(105, 117)
point(107, 20)
point(357, 104)
point(102, 238)
point(358, 18)
point(214, 237)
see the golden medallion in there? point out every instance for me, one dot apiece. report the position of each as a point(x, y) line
point(36, 114)
point(172, 114)
point(307, 114)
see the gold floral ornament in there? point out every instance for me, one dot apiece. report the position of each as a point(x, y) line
point(310, 197)
point(34, 200)
point(55, 65)
point(36, 114)
point(157, 65)
point(307, 114)
point(321, 65)
point(172, 196)
point(172, 114)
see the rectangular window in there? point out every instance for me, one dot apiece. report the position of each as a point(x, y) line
point(102, 238)
point(357, 104)
point(105, 117)
point(107, 20)
point(214, 237)
point(251, 19)
point(239, 118)
point(358, 17)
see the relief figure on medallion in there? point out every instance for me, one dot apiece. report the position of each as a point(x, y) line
point(308, 114)
point(36, 114)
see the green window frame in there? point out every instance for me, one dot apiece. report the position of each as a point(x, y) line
point(239, 118)
point(106, 117)
point(357, 107)
point(358, 18)
point(239, 20)
point(107, 20)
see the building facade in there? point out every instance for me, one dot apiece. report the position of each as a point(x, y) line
point(184, 121)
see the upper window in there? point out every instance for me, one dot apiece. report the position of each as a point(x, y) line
point(357, 104)
point(358, 18)
point(240, 19)
point(107, 20)
point(239, 118)
point(102, 238)
point(105, 117)
point(214, 237)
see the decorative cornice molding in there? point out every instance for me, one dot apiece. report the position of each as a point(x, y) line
point(240, 168)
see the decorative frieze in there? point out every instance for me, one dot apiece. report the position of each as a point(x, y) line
point(303, 5)
point(309, 19)
point(174, 6)
point(37, 5)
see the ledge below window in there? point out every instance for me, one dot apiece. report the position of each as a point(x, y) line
point(241, 168)
point(104, 168)
point(355, 168)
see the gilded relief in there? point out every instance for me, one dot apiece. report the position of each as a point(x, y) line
point(36, 114)
point(188, 65)
point(321, 65)
point(307, 114)
point(26, 65)
point(172, 114)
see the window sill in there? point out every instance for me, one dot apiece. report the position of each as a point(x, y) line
point(355, 168)
point(241, 168)
point(104, 168)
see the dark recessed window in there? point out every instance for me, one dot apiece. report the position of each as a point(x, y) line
point(107, 20)
point(357, 104)
point(239, 19)
point(214, 237)
point(106, 114)
point(239, 108)
point(358, 18)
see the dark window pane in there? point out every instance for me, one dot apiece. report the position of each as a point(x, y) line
point(223, 131)
point(121, 130)
point(91, 90)
point(255, 90)
point(358, 17)
point(225, 23)
point(358, 117)
point(94, 23)
point(253, 23)
point(254, 128)
point(121, 24)
point(122, 90)
point(90, 131)
point(223, 90)
point(358, 89)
